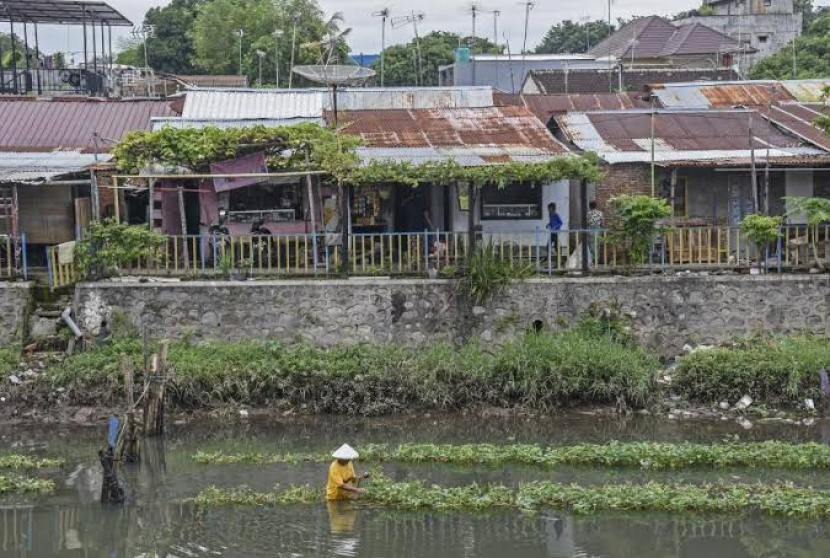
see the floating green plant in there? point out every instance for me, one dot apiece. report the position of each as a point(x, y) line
point(10, 485)
point(771, 499)
point(16, 461)
point(652, 455)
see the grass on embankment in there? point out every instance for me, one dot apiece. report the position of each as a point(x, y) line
point(8, 362)
point(538, 372)
point(774, 499)
point(775, 371)
point(653, 455)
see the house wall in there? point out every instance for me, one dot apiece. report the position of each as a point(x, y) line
point(668, 312)
point(799, 185)
point(629, 178)
point(47, 213)
point(779, 28)
point(557, 192)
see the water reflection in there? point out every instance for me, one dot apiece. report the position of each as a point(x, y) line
point(157, 522)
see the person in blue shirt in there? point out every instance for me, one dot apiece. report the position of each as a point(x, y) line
point(554, 225)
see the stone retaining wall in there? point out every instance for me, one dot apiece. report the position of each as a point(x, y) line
point(15, 300)
point(668, 312)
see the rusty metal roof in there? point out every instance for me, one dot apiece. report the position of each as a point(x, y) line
point(475, 127)
point(625, 136)
point(757, 93)
point(798, 119)
point(546, 107)
point(31, 124)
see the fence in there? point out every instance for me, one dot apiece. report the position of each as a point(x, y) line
point(13, 257)
point(424, 253)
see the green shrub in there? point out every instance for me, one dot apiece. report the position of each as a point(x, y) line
point(637, 218)
point(537, 371)
point(112, 246)
point(8, 362)
point(487, 273)
point(779, 370)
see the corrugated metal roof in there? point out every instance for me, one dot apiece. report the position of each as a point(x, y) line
point(737, 93)
point(30, 124)
point(213, 80)
point(158, 123)
point(624, 136)
point(575, 80)
point(310, 103)
point(42, 167)
point(798, 118)
point(807, 90)
point(227, 104)
point(464, 156)
point(491, 127)
point(546, 107)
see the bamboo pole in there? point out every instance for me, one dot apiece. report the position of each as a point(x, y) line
point(154, 398)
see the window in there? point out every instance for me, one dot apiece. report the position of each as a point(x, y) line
point(514, 201)
point(269, 202)
point(762, 39)
point(767, 3)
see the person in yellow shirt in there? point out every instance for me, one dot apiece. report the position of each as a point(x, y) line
point(342, 481)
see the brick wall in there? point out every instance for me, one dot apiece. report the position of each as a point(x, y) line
point(631, 179)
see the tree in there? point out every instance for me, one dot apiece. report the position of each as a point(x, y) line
point(436, 49)
point(572, 37)
point(216, 39)
point(171, 48)
point(812, 50)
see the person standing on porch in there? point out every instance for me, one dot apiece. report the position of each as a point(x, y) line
point(554, 225)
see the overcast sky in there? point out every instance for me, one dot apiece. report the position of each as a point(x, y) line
point(450, 15)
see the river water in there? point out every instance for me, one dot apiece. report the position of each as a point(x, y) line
point(156, 521)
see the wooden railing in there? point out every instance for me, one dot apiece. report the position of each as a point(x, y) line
point(13, 257)
point(430, 253)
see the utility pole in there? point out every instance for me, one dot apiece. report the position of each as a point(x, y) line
point(293, 49)
point(529, 5)
point(383, 15)
point(653, 174)
point(277, 36)
point(260, 54)
point(241, 34)
point(474, 10)
point(754, 170)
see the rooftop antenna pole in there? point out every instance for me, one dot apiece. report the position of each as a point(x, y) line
point(585, 21)
point(473, 10)
point(277, 36)
point(496, 14)
point(240, 33)
point(293, 49)
point(383, 15)
point(413, 19)
point(795, 57)
point(529, 5)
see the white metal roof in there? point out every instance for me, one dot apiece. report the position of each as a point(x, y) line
point(231, 104)
point(174, 122)
point(530, 57)
point(34, 168)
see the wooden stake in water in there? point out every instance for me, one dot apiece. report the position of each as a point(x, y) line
point(154, 402)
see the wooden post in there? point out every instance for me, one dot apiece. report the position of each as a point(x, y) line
point(154, 397)
point(151, 205)
point(673, 193)
point(127, 450)
point(183, 218)
point(471, 221)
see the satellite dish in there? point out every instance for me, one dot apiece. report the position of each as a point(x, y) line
point(335, 75)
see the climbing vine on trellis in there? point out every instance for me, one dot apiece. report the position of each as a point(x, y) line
point(335, 154)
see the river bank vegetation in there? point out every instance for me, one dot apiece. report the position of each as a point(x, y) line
point(534, 371)
point(776, 370)
point(17, 462)
point(651, 455)
point(770, 499)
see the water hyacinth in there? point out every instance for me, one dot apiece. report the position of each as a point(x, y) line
point(770, 499)
point(20, 485)
point(17, 462)
point(652, 455)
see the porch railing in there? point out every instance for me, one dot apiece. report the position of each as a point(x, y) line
point(13, 257)
point(423, 253)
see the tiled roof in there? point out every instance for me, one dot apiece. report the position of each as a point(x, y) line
point(656, 37)
point(36, 124)
point(596, 81)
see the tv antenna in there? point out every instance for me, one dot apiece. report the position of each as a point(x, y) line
point(143, 33)
point(529, 5)
point(413, 19)
point(383, 15)
point(474, 10)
